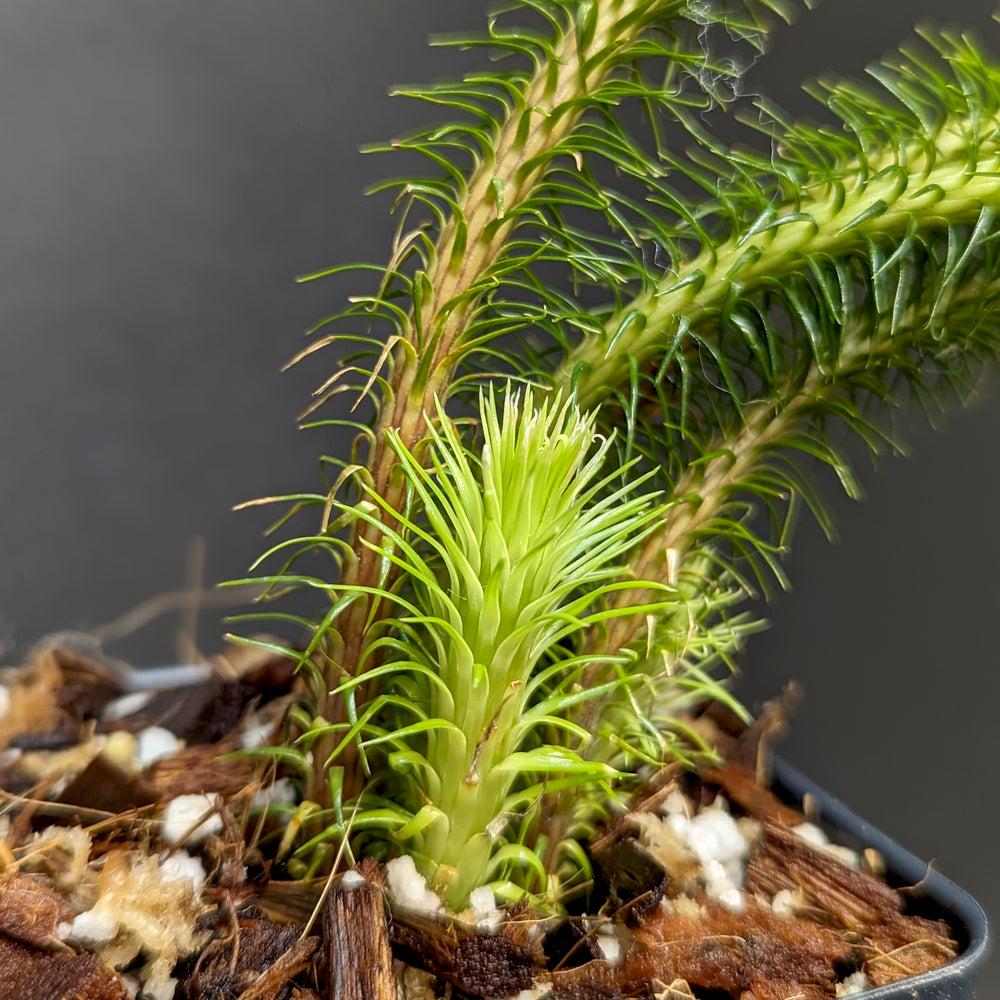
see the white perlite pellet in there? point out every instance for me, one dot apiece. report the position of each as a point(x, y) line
point(155, 743)
point(857, 982)
point(409, 887)
point(535, 993)
point(715, 839)
point(783, 904)
point(483, 908)
point(182, 866)
point(611, 948)
point(282, 792)
point(812, 834)
point(183, 813)
point(257, 734)
point(93, 928)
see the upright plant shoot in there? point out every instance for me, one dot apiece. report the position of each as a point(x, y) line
point(522, 604)
point(514, 550)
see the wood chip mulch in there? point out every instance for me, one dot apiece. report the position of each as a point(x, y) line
point(266, 943)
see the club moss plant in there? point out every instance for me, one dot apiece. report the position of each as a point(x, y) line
point(627, 318)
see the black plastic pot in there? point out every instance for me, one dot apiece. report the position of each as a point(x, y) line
point(935, 895)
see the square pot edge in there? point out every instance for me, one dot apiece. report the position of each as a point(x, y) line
point(955, 981)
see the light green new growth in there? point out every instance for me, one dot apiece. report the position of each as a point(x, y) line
point(524, 606)
point(521, 543)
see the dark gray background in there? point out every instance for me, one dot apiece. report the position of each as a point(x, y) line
point(167, 168)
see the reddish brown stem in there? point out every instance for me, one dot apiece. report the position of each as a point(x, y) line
point(526, 142)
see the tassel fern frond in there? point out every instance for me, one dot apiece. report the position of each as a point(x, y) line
point(694, 292)
point(888, 178)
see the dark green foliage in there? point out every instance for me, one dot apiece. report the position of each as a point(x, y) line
point(725, 309)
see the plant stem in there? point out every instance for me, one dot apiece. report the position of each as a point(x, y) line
point(951, 186)
point(468, 246)
point(703, 491)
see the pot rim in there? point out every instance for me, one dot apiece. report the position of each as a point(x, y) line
point(843, 823)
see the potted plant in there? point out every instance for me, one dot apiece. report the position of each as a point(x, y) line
point(606, 356)
point(747, 301)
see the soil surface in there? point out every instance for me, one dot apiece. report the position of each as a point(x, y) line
point(123, 874)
